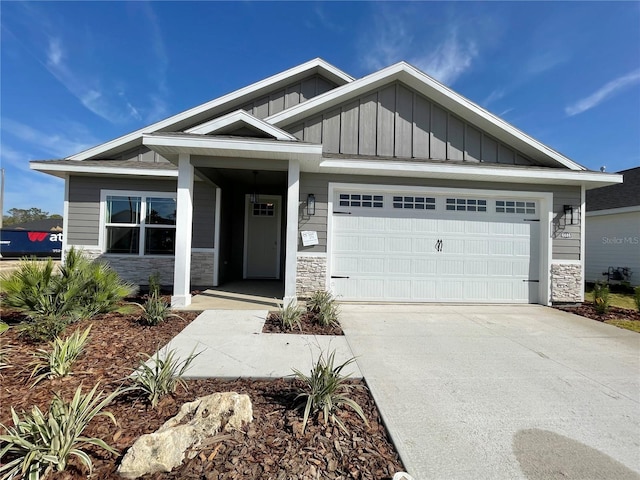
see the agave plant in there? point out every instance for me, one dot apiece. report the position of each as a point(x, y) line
point(58, 361)
point(319, 299)
point(326, 390)
point(159, 374)
point(290, 315)
point(38, 442)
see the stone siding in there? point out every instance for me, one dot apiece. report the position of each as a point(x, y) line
point(566, 282)
point(311, 275)
point(137, 269)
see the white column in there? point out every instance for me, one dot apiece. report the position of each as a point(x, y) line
point(182, 272)
point(291, 250)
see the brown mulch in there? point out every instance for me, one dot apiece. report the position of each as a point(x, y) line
point(308, 326)
point(272, 446)
point(587, 309)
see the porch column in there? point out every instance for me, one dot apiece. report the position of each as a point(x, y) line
point(184, 215)
point(291, 251)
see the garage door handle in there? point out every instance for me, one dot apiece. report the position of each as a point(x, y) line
point(438, 245)
point(342, 213)
point(532, 281)
point(337, 276)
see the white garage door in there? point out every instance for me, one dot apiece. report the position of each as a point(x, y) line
point(434, 248)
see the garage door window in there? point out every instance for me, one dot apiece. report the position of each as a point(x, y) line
point(512, 206)
point(361, 200)
point(466, 205)
point(414, 203)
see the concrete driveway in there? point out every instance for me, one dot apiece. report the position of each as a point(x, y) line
point(501, 392)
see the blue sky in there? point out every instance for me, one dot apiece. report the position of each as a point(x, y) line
point(76, 74)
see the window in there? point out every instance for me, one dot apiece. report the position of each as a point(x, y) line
point(513, 206)
point(361, 200)
point(466, 205)
point(140, 224)
point(263, 210)
point(414, 203)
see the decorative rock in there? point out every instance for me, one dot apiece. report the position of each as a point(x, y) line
point(402, 476)
point(196, 421)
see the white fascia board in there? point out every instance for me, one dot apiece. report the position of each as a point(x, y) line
point(464, 172)
point(61, 169)
point(210, 145)
point(614, 211)
point(240, 117)
point(317, 63)
point(432, 89)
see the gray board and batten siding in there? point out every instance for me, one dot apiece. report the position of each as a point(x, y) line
point(318, 184)
point(397, 121)
point(84, 206)
point(261, 107)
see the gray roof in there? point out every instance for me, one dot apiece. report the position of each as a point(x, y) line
point(111, 164)
point(626, 194)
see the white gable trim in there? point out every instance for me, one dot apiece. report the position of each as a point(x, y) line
point(57, 169)
point(445, 170)
point(240, 117)
point(433, 90)
point(318, 64)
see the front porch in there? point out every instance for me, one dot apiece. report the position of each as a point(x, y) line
point(240, 295)
point(257, 206)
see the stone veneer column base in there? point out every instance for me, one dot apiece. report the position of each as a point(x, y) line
point(311, 274)
point(566, 282)
point(136, 269)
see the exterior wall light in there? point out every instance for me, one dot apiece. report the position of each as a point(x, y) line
point(311, 204)
point(571, 215)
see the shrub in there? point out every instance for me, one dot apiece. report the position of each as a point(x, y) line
point(601, 298)
point(319, 299)
point(43, 329)
point(82, 289)
point(290, 315)
point(5, 350)
point(38, 442)
point(326, 390)
point(154, 284)
point(328, 315)
point(157, 376)
point(58, 362)
point(156, 310)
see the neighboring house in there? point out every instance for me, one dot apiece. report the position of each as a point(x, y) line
point(391, 187)
point(613, 230)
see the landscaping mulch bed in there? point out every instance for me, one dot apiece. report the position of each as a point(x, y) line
point(587, 309)
point(308, 326)
point(271, 447)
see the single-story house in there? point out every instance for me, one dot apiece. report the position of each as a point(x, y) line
point(390, 187)
point(613, 231)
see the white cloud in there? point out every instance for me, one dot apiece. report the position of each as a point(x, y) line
point(395, 36)
point(54, 53)
point(494, 96)
point(607, 91)
point(33, 189)
point(51, 144)
point(450, 59)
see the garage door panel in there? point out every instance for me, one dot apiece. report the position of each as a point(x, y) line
point(410, 254)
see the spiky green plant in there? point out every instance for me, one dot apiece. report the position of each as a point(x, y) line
point(39, 443)
point(636, 297)
point(5, 350)
point(159, 375)
point(319, 299)
point(601, 298)
point(290, 315)
point(328, 315)
point(156, 310)
point(57, 361)
point(154, 284)
point(326, 390)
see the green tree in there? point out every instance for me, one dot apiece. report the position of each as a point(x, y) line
point(22, 215)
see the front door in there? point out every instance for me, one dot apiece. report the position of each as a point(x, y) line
point(262, 237)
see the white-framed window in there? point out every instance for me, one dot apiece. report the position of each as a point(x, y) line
point(515, 206)
point(414, 203)
point(365, 200)
point(466, 205)
point(138, 223)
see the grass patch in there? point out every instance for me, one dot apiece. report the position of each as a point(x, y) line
point(632, 325)
point(620, 300)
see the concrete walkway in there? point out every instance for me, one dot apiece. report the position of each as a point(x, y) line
point(233, 345)
point(501, 392)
